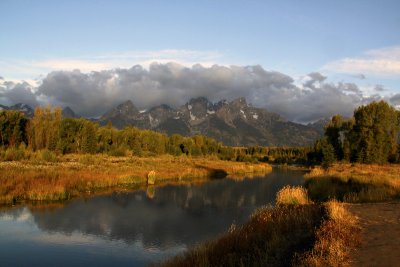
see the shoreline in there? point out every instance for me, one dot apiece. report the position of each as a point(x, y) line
point(74, 175)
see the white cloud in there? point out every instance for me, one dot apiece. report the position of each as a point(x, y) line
point(18, 69)
point(378, 62)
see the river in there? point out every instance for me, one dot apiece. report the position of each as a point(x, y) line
point(133, 228)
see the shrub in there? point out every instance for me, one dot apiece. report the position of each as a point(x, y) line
point(118, 152)
point(13, 154)
point(292, 196)
point(48, 155)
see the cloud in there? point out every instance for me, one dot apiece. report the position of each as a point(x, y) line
point(20, 69)
point(395, 100)
point(379, 88)
point(17, 92)
point(92, 94)
point(174, 84)
point(379, 62)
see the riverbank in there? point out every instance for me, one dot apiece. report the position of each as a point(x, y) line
point(354, 183)
point(296, 232)
point(71, 175)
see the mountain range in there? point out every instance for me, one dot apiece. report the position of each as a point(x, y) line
point(234, 123)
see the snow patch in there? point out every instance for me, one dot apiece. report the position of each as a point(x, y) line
point(189, 107)
point(142, 111)
point(255, 116)
point(192, 117)
point(210, 111)
point(242, 111)
point(177, 118)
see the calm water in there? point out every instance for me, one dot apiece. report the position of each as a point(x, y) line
point(134, 228)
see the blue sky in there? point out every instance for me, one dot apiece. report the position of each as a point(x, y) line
point(348, 41)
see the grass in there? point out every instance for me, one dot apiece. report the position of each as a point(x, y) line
point(49, 177)
point(292, 196)
point(290, 234)
point(336, 238)
point(272, 237)
point(354, 183)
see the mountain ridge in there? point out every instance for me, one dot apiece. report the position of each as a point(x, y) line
point(234, 123)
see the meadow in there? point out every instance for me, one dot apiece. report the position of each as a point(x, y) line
point(45, 176)
point(354, 182)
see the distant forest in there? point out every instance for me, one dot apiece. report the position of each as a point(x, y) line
point(47, 130)
point(371, 136)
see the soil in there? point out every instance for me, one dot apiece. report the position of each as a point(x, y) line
point(380, 234)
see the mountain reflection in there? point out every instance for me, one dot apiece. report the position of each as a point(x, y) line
point(166, 216)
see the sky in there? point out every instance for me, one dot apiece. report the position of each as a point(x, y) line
point(314, 58)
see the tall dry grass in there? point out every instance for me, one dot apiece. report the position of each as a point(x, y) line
point(355, 183)
point(289, 234)
point(337, 237)
point(292, 195)
point(272, 237)
point(70, 175)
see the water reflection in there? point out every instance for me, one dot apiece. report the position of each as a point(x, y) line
point(167, 218)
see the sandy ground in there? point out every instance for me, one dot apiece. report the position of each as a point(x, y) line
point(380, 223)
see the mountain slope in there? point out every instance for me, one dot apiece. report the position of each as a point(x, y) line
point(234, 123)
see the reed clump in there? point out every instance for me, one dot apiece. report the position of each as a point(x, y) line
point(354, 183)
point(292, 195)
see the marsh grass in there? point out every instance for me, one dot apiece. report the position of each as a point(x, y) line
point(303, 234)
point(354, 183)
point(50, 177)
point(337, 237)
point(292, 195)
point(271, 237)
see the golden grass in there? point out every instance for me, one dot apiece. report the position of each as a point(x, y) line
point(286, 235)
point(272, 237)
point(71, 175)
point(355, 182)
point(292, 195)
point(335, 239)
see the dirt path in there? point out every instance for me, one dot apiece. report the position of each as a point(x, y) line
point(380, 235)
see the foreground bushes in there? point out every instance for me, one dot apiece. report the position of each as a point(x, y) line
point(272, 237)
point(337, 236)
point(295, 232)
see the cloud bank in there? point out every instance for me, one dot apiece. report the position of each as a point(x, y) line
point(91, 94)
point(377, 62)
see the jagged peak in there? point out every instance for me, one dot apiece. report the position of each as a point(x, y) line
point(241, 101)
point(200, 99)
point(126, 109)
point(127, 103)
point(162, 106)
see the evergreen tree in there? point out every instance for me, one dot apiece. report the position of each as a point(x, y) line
point(89, 141)
point(13, 126)
point(375, 132)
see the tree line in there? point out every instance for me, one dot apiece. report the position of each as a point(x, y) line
point(370, 136)
point(47, 130)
